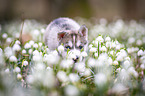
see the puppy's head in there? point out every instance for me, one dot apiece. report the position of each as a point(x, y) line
point(74, 40)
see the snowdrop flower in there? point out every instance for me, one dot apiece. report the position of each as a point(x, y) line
point(93, 49)
point(25, 63)
point(37, 58)
point(103, 48)
point(139, 42)
point(39, 66)
point(80, 67)
point(17, 42)
point(9, 40)
point(35, 45)
point(8, 52)
point(110, 61)
point(115, 62)
point(66, 63)
point(36, 32)
point(91, 62)
point(132, 71)
point(100, 79)
point(108, 44)
point(84, 54)
point(112, 52)
point(90, 46)
point(19, 76)
point(7, 70)
point(60, 48)
point(17, 69)
point(31, 42)
point(108, 39)
point(131, 40)
point(13, 59)
point(140, 53)
point(4, 36)
point(30, 51)
point(124, 76)
point(142, 66)
point(40, 44)
point(42, 30)
point(71, 90)
point(23, 51)
point(119, 89)
point(96, 54)
point(27, 46)
point(36, 52)
point(113, 45)
point(87, 72)
point(61, 75)
point(126, 64)
point(100, 39)
point(16, 47)
point(73, 77)
point(30, 79)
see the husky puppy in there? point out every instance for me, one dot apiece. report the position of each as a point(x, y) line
point(67, 32)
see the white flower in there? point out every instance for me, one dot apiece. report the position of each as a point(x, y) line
point(140, 53)
point(30, 79)
point(40, 44)
point(23, 51)
point(108, 44)
point(61, 75)
point(103, 48)
point(139, 42)
point(25, 63)
point(66, 63)
point(73, 77)
point(31, 42)
point(142, 66)
point(80, 67)
point(119, 89)
point(90, 46)
point(8, 51)
point(19, 76)
point(100, 79)
point(17, 42)
point(16, 47)
point(93, 49)
point(37, 58)
point(39, 66)
point(91, 62)
point(13, 59)
point(100, 39)
point(4, 35)
point(36, 52)
point(27, 46)
point(17, 69)
point(9, 40)
point(110, 61)
point(126, 64)
point(36, 32)
point(35, 45)
point(71, 90)
point(60, 48)
point(96, 54)
point(42, 30)
point(108, 39)
point(84, 54)
point(87, 72)
point(7, 70)
point(115, 62)
point(132, 71)
point(30, 51)
point(51, 59)
point(131, 40)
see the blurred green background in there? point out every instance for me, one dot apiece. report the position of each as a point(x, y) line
point(46, 10)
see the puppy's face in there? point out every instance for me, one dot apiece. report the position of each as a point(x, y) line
point(74, 40)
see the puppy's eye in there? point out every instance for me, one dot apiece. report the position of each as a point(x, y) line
point(80, 47)
point(67, 47)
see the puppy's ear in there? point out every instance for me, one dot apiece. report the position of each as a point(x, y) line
point(61, 35)
point(83, 31)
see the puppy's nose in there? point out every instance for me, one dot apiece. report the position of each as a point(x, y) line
point(76, 59)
